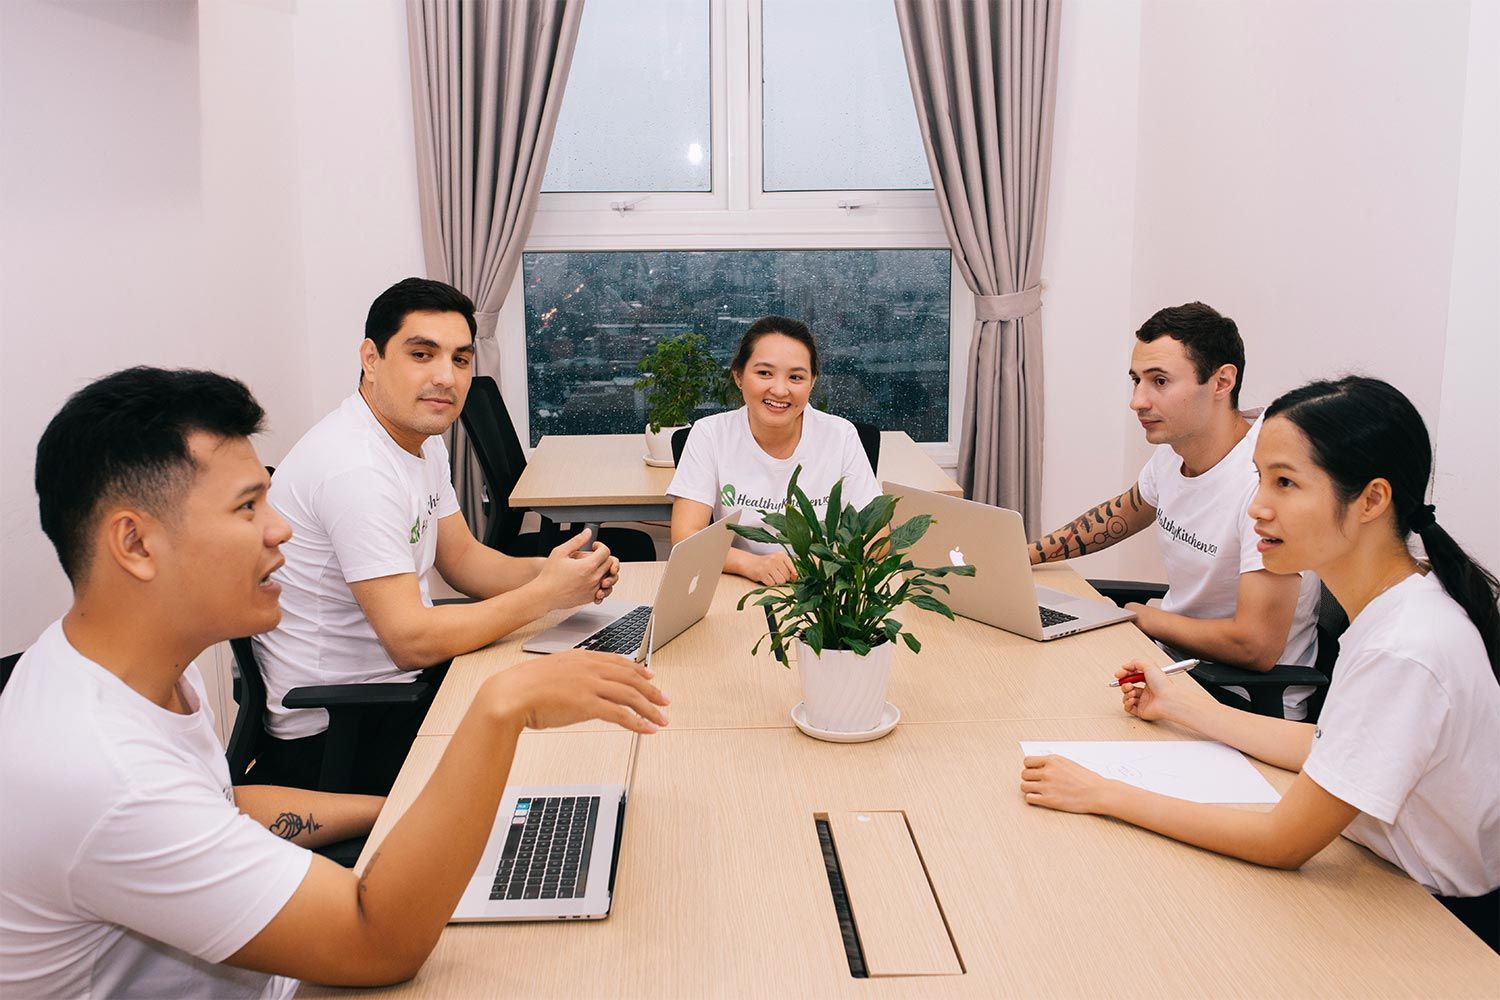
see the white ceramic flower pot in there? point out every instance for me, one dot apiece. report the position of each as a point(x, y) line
point(843, 692)
point(659, 443)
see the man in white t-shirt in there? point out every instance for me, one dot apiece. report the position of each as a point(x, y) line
point(1221, 602)
point(368, 494)
point(132, 866)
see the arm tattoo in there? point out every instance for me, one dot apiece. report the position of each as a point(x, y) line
point(1096, 528)
point(289, 825)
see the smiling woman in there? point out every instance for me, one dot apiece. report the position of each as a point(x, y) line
point(743, 460)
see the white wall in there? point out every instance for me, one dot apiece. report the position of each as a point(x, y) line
point(136, 231)
point(361, 228)
point(222, 184)
point(1088, 315)
point(1297, 166)
point(1468, 455)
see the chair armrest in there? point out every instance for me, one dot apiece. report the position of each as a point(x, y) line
point(1266, 690)
point(355, 695)
point(1281, 676)
point(1123, 592)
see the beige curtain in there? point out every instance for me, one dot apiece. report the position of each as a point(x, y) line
point(984, 78)
point(487, 84)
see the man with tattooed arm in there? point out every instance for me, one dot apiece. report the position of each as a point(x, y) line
point(1222, 604)
point(132, 866)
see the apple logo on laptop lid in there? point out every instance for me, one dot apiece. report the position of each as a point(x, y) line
point(957, 557)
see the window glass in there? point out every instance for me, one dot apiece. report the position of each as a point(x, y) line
point(860, 133)
point(635, 115)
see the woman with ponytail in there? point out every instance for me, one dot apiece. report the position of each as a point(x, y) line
point(1404, 758)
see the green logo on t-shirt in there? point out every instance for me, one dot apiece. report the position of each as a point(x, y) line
point(416, 531)
point(728, 495)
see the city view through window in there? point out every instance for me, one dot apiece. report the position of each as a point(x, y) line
point(881, 319)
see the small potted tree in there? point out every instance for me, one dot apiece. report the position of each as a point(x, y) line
point(676, 376)
point(851, 575)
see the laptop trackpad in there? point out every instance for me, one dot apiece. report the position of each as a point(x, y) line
point(1057, 600)
point(580, 625)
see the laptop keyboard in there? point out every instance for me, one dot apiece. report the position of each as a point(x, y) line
point(546, 854)
point(1050, 617)
point(623, 635)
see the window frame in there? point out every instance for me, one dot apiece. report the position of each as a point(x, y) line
point(737, 215)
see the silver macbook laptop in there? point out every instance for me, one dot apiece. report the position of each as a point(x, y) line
point(682, 599)
point(1001, 592)
point(551, 856)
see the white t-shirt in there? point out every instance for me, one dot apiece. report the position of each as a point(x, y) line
point(1208, 541)
point(1410, 736)
point(724, 468)
point(128, 869)
point(360, 508)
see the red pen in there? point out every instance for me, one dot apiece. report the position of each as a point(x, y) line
point(1171, 668)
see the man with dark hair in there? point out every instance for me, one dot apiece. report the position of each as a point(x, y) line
point(371, 504)
point(1222, 603)
point(131, 865)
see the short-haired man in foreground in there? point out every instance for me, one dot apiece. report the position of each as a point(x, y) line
point(369, 497)
point(1222, 604)
point(132, 865)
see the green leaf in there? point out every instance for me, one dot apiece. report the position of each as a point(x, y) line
point(755, 534)
point(950, 571)
point(798, 535)
point(804, 507)
point(904, 536)
point(835, 497)
point(813, 636)
point(911, 642)
point(927, 603)
point(876, 515)
point(775, 520)
point(854, 645)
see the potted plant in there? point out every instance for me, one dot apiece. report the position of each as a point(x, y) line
point(677, 374)
point(851, 575)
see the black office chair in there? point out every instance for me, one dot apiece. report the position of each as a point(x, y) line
point(8, 667)
point(345, 704)
point(869, 437)
point(1266, 689)
point(502, 460)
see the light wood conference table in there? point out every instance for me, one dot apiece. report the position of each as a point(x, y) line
point(600, 477)
point(957, 887)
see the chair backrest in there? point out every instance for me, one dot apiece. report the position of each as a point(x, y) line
point(1332, 621)
point(869, 437)
point(249, 721)
point(497, 446)
point(679, 443)
point(7, 667)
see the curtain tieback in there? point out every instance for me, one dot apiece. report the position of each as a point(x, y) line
point(988, 308)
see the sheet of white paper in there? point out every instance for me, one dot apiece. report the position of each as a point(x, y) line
point(1196, 770)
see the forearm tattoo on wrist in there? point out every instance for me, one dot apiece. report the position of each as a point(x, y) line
point(289, 825)
point(1094, 529)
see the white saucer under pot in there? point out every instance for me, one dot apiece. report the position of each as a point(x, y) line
point(889, 716)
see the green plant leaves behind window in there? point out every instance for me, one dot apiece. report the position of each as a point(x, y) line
point(852, 572)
